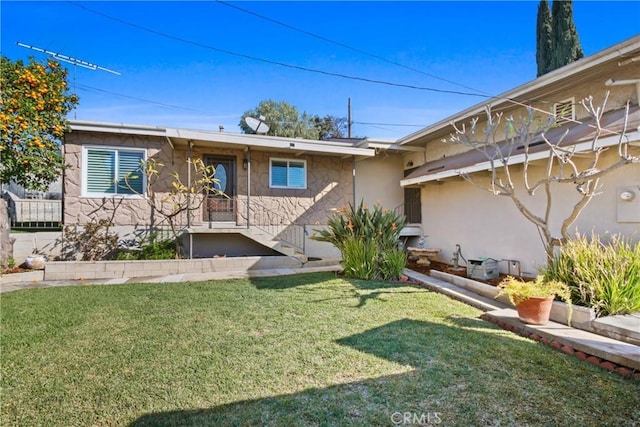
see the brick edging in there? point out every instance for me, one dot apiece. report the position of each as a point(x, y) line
point(594, 360)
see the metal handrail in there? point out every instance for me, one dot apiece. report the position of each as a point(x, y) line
point(277, 226)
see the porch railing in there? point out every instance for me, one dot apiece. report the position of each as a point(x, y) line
point(33, 213)
point(277, 226)
point(221, 209)
point(268, 221)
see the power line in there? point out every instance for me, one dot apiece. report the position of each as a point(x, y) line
point(388, 124)
point(268, 61)
point(343, 45)
point(312, 70)
point(208, 113)
point(156, 103)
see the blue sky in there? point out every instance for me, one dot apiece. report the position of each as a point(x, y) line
point(170, 53)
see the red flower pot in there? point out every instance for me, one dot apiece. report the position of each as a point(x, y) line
point(535, 311)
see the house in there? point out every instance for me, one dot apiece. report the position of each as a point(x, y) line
point(487, 226)
point(276, 190)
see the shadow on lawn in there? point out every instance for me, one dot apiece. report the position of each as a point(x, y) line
point(450, 373)
point(364, 290)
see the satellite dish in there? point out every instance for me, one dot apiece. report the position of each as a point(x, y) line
point(258, 125)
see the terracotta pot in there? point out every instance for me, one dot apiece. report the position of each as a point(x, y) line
point(535, 311)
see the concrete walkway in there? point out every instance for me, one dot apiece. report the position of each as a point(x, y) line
point(594, 348)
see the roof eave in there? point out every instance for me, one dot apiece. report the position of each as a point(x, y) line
point(514, 160)
point(567, 71)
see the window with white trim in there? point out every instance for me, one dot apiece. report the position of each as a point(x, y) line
point(285, 173)
point(109, 171)
point(564, 111)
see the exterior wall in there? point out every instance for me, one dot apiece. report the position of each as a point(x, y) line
point(456, 212)
point(378, 181)
point(329, 185)
point(81, 210)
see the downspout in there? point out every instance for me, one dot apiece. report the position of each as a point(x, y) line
point(189, 144)
point(353, 178)
point(248, 187)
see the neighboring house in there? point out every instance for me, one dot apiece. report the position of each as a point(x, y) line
point(488, 226)
point(275, 188)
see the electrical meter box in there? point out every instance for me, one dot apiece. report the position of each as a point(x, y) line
point(482, 269)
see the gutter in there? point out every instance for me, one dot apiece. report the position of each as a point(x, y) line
point(566, 72)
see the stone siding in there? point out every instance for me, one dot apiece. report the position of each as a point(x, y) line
point(329, 185)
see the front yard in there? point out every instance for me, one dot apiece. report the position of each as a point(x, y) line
point(297, 350)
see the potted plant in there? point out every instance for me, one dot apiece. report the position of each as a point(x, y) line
point(533, 299)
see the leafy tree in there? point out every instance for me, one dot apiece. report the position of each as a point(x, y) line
point(565, 46)
point(285, 120)
point(329, 126)
point(544, 38)
point(35, 101)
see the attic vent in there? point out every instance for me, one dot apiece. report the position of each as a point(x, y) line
point(564, 111)
point(436, 168)
point(534, 144)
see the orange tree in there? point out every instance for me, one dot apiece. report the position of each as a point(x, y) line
point(33, 108)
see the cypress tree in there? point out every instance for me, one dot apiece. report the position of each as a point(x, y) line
point(543, 39)
point(565, 46)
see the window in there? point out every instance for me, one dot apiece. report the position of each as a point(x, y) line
point(564, 111)
point(105, 171)
point(287, 173)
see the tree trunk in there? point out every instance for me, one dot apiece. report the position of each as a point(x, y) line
point(6, 242)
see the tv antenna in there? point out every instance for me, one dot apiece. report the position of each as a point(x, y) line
point(70, 60)
point(258, 125)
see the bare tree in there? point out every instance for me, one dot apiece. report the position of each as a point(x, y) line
point(518, 140)
point(181, 198)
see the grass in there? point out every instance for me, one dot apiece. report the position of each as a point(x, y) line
point(297, 350)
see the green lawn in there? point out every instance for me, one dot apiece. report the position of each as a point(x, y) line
point(295, 350)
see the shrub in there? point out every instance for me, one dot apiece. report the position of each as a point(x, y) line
point(392, 263)
point(356, 231)
point(93, 242)
point(602, 275)
point(151, 248)
point(359, 258)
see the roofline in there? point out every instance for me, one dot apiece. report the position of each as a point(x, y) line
point(551, 77)
point(262, 141)
point(513, 160)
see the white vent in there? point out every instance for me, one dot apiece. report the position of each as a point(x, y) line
point(564, 111)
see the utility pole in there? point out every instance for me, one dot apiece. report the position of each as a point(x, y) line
point(349, 118)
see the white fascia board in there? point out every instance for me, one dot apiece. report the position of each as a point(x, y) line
point(293, 144)
point(394, 147)
point(514, 160)
point(120, 128)
point(617, 51)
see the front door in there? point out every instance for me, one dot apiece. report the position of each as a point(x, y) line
point(220, 205)
point(412, 203)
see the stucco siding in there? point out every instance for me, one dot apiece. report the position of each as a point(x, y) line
point(456, 212)
point(436, 148)
point(378, 181)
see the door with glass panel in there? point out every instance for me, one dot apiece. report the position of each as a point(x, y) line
point(220, 205)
